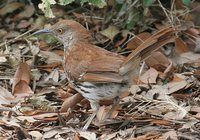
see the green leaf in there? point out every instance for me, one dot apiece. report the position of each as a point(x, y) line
point(45, 6)
point(133, 18)
point(98, 3)
point(186, 2)
point(65, 2)
point(148, 3)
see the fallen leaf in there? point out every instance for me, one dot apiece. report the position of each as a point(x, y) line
point(21, 81)
point(153, 60)
point(49, 116)
point(3, 32)
point(185, 58)
point(110, 32)
point(51, 57)
point(10, 7)
point(193, 32)
point(172, 135)
point(88, 135)
point(57, 131)
point(6, 97)
point(36, 134)
point(197, 115)
point(54, 75)
point(152, 135)
point(162, 122)
point(178, 115)
point(197, 45)
point(30, 119)
point(26, 13)
point(181, 46)
point(150, 76)
point(104, 111)
point(3, 59)
point(195, 109)
point(12, 34)
point(175, 86)
point(23, 24)
point(71, 102)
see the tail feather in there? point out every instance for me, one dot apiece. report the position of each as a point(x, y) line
point(130, 67)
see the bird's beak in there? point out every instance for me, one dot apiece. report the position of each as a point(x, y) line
point(43, 31)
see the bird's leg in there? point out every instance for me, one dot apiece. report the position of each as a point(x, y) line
point(115, 103)
point(95, 107)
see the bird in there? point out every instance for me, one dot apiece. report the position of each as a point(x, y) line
point(96, 73)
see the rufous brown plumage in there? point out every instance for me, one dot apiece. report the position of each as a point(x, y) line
point(93, 71)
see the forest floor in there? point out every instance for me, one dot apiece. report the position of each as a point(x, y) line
point(36, 101)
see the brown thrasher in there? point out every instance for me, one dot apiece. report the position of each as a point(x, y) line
point(93, 71)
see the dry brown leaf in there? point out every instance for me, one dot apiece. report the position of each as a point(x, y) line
point(110, 32)
point(3, 59)
point(196, 74)
point(185, 58)
point(23, 24)
point(11, 34)
point(29, 119)
point(124, 35)
point(88, 135)
point(149, 76)
point(172, 135)
point(76, 137)
point(162, 122)
point(71, 102)
point(181, 46)
point(54, 75)
point(51, 66)
point(49, 116)
point(6, 97)
point(149, 136)
point(195, 109)
point(153, 60)
point(159, 26)
point(26, 13)
point(183, 97)
point(36, 135)
point(56, 131)
point(193, 32)
point(21, 81)
point(104, 111)
point(11, 7)
point(175, 115)
point(197, 116)
point(52, 57)
point(175, 86)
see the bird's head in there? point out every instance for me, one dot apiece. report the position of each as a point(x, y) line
point(67, 32)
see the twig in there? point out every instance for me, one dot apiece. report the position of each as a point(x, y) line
point(21, 35)
point(164, 10)
point(86, 23)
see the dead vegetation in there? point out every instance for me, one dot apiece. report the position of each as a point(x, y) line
point(36, 101)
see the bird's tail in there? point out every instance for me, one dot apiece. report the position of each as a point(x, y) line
point(130, 67)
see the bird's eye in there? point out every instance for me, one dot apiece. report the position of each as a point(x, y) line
point(60, 31)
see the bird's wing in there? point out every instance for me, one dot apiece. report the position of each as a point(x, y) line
point(93, 64)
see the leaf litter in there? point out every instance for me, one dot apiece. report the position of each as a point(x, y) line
point(36, 101)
